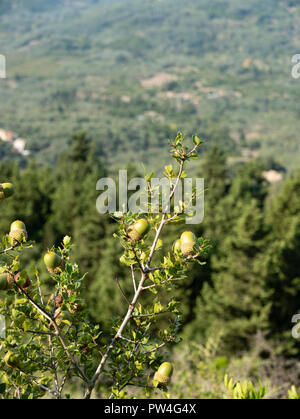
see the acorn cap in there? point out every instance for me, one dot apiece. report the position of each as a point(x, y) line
point(18, 232)
point(133, 234)
point(187, 249)
point(18, 235)
point(161, 379)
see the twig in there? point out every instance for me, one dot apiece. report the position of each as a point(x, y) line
point(54, 367)
point(39, 384)
point(141, 266)
point(10, 248)
point(37, 332)
point(158, 268)
point(139, 385)
point(34, 303)
point(159, 346)
point(54, 304)
point(130, 340)
point(63, 381)
point(40, 290)
point(137, 345)
point(150, 314)
point(122, 292)
point(162, 283)
point(133, 278)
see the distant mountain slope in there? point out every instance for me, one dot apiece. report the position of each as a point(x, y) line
point(134, 72)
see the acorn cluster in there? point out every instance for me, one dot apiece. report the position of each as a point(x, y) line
point(186, 245)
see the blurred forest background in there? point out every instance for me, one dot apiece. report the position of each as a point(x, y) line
point(96, 86)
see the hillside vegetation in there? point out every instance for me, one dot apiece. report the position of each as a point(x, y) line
point(134, 72)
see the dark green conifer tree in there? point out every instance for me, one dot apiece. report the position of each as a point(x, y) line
point(234, 299)
point(282, 263)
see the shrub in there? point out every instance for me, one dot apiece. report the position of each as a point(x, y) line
point(51, 341)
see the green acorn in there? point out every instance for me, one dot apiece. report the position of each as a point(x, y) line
point(53, 262)
point(163, 374)
point(6, 282)
point(6, 190)
point(138, 230)
point(18, 232)
point(177, 246)
point(188, 241)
